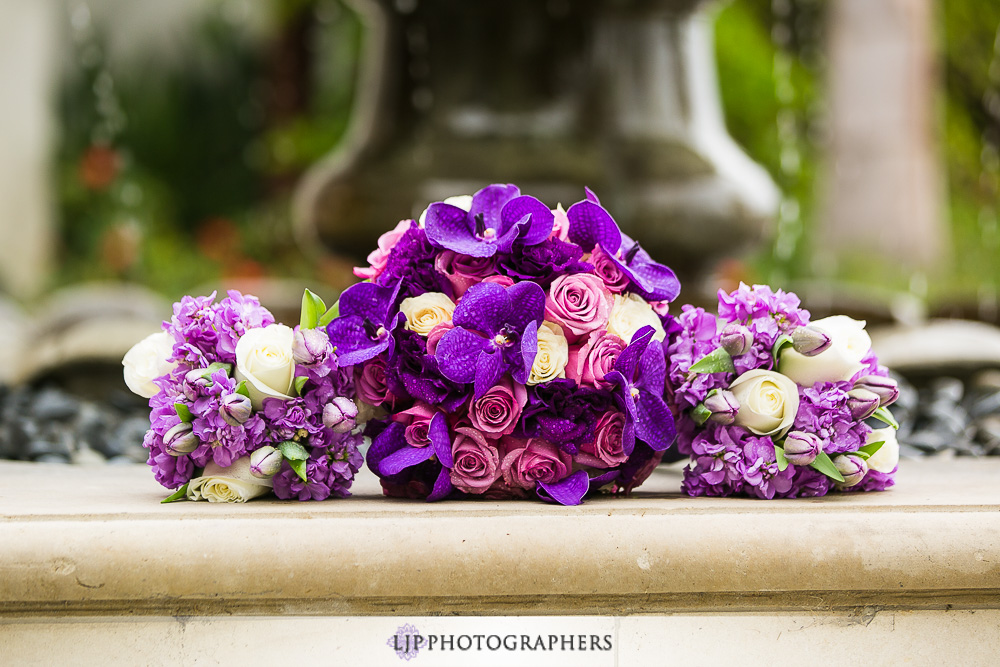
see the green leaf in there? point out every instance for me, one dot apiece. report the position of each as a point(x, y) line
point(779, 455)
point(717, 361)
point(784, 340)
point(179, 494)
point(183, 412)
point(312, 308)
point(299, 383)
point(884, 416)
point(293, 451)
point(330, 315)
point(300, 469)
point(824, 464)
point(242, 389)
point(870, 449)
point(700, 414)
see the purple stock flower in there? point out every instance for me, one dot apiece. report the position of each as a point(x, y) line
point(329, 471)
point(496, 331)
point(639, 375)
point(368, 320)
point(825, 411)
point(499, 217)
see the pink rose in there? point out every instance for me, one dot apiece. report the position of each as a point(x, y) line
point(477, 462)
point(505, 281)
point(464, 271)
point(497, 411)
point(579, 303)
point(661, 308)
point(380, 256)
point(606, 449)
point(595, 358)
point(560, 224)
point(370, 382)
point(613, 277)
point(537, 461)
point(435, 334)
point(417, 421)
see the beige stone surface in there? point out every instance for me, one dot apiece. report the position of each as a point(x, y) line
point(96, 541)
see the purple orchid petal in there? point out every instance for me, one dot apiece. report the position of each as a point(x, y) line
point(369, 300)
point(529, 348)
point(533, 219)
point(652, 370)
point(458, 353)
point(391, 439)
point(484, 307)
point(441, 443)
point(604, 478)
point(628, 360)
point(404, 458)
point(450, 227)
point(569, 491)
point(442, 486)
point(655, 281)
point(591, 196)
point(489, 202)
point(527, 304)
point(628, 437)
point(353, 343)
point(489, 368)
point(654, 423)
point(590, 225)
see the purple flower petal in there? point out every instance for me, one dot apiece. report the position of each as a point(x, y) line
point(591, 196)
point(527, 304)
point(654, 424)
point(569, 491)
point(591, 225)
point(489, 367)
point(628, 437)
point(489, 202)
point(450, 227)
point(652, 370)
point(484, 307)
point(404, 458)
point(353, 343)
point(602, 479)
point(442, 486)
point(369, 300)
point(438, 434)
point(628, 360)
point(458, 353)
point(529, 348)
point(391, 439)
point(655, 282)
point(529, 219)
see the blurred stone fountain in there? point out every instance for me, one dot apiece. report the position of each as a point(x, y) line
point(618, 95)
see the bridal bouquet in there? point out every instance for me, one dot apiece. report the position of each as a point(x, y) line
point(241, 406)
point(772, 405)
point(502, 349)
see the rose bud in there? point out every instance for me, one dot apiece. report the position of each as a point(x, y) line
point(885, 388)
point(736, 339)
point(235, 409)
point(310, 346)
point(809, 341)
point(862, 403)
point(265, 462)
point(802, 448)
point(723, 406)
point(180, 440)
point(340, 414)
point(853, 468)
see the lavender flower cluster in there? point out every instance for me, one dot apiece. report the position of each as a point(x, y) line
point(241, 405)
point(771, 405)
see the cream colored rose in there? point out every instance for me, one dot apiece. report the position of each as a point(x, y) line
point(552, 355)
point(887, 457)
point(426, 311)
point(768, 402)
point(264, 360)
point(146, 361)
point(234, 484)
point(849, 343)
point(631, 313)
point(463, 202)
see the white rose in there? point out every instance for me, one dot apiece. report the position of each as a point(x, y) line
point(849, 343)
point(887, 457)
point(552, 356)
point(629, 314)
point(146, 361)
point(463, 202)
point(768, 402)
point(264, 360)
point(234, 484)
point(426, 311)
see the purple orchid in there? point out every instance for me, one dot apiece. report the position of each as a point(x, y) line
point(591, 225)
point(496, 331)
point(368, 319)
point(499, 217)
point(390, 454)
point(639, 373)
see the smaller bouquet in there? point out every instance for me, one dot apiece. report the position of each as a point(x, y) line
point(771, 405)
point(242, 406)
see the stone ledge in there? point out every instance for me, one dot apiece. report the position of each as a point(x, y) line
point(95, 541)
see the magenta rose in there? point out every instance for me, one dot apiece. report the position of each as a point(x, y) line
point(579, 303)
point(435, 334)
point(612, 276)
point(606, 449)
point(370, 382)
point(477, 462)
point(418, 422)
point(380, 256)
point(497, 411)
point(595, 358)
point(537, 461)
point(504, 281)
point(464, 271)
